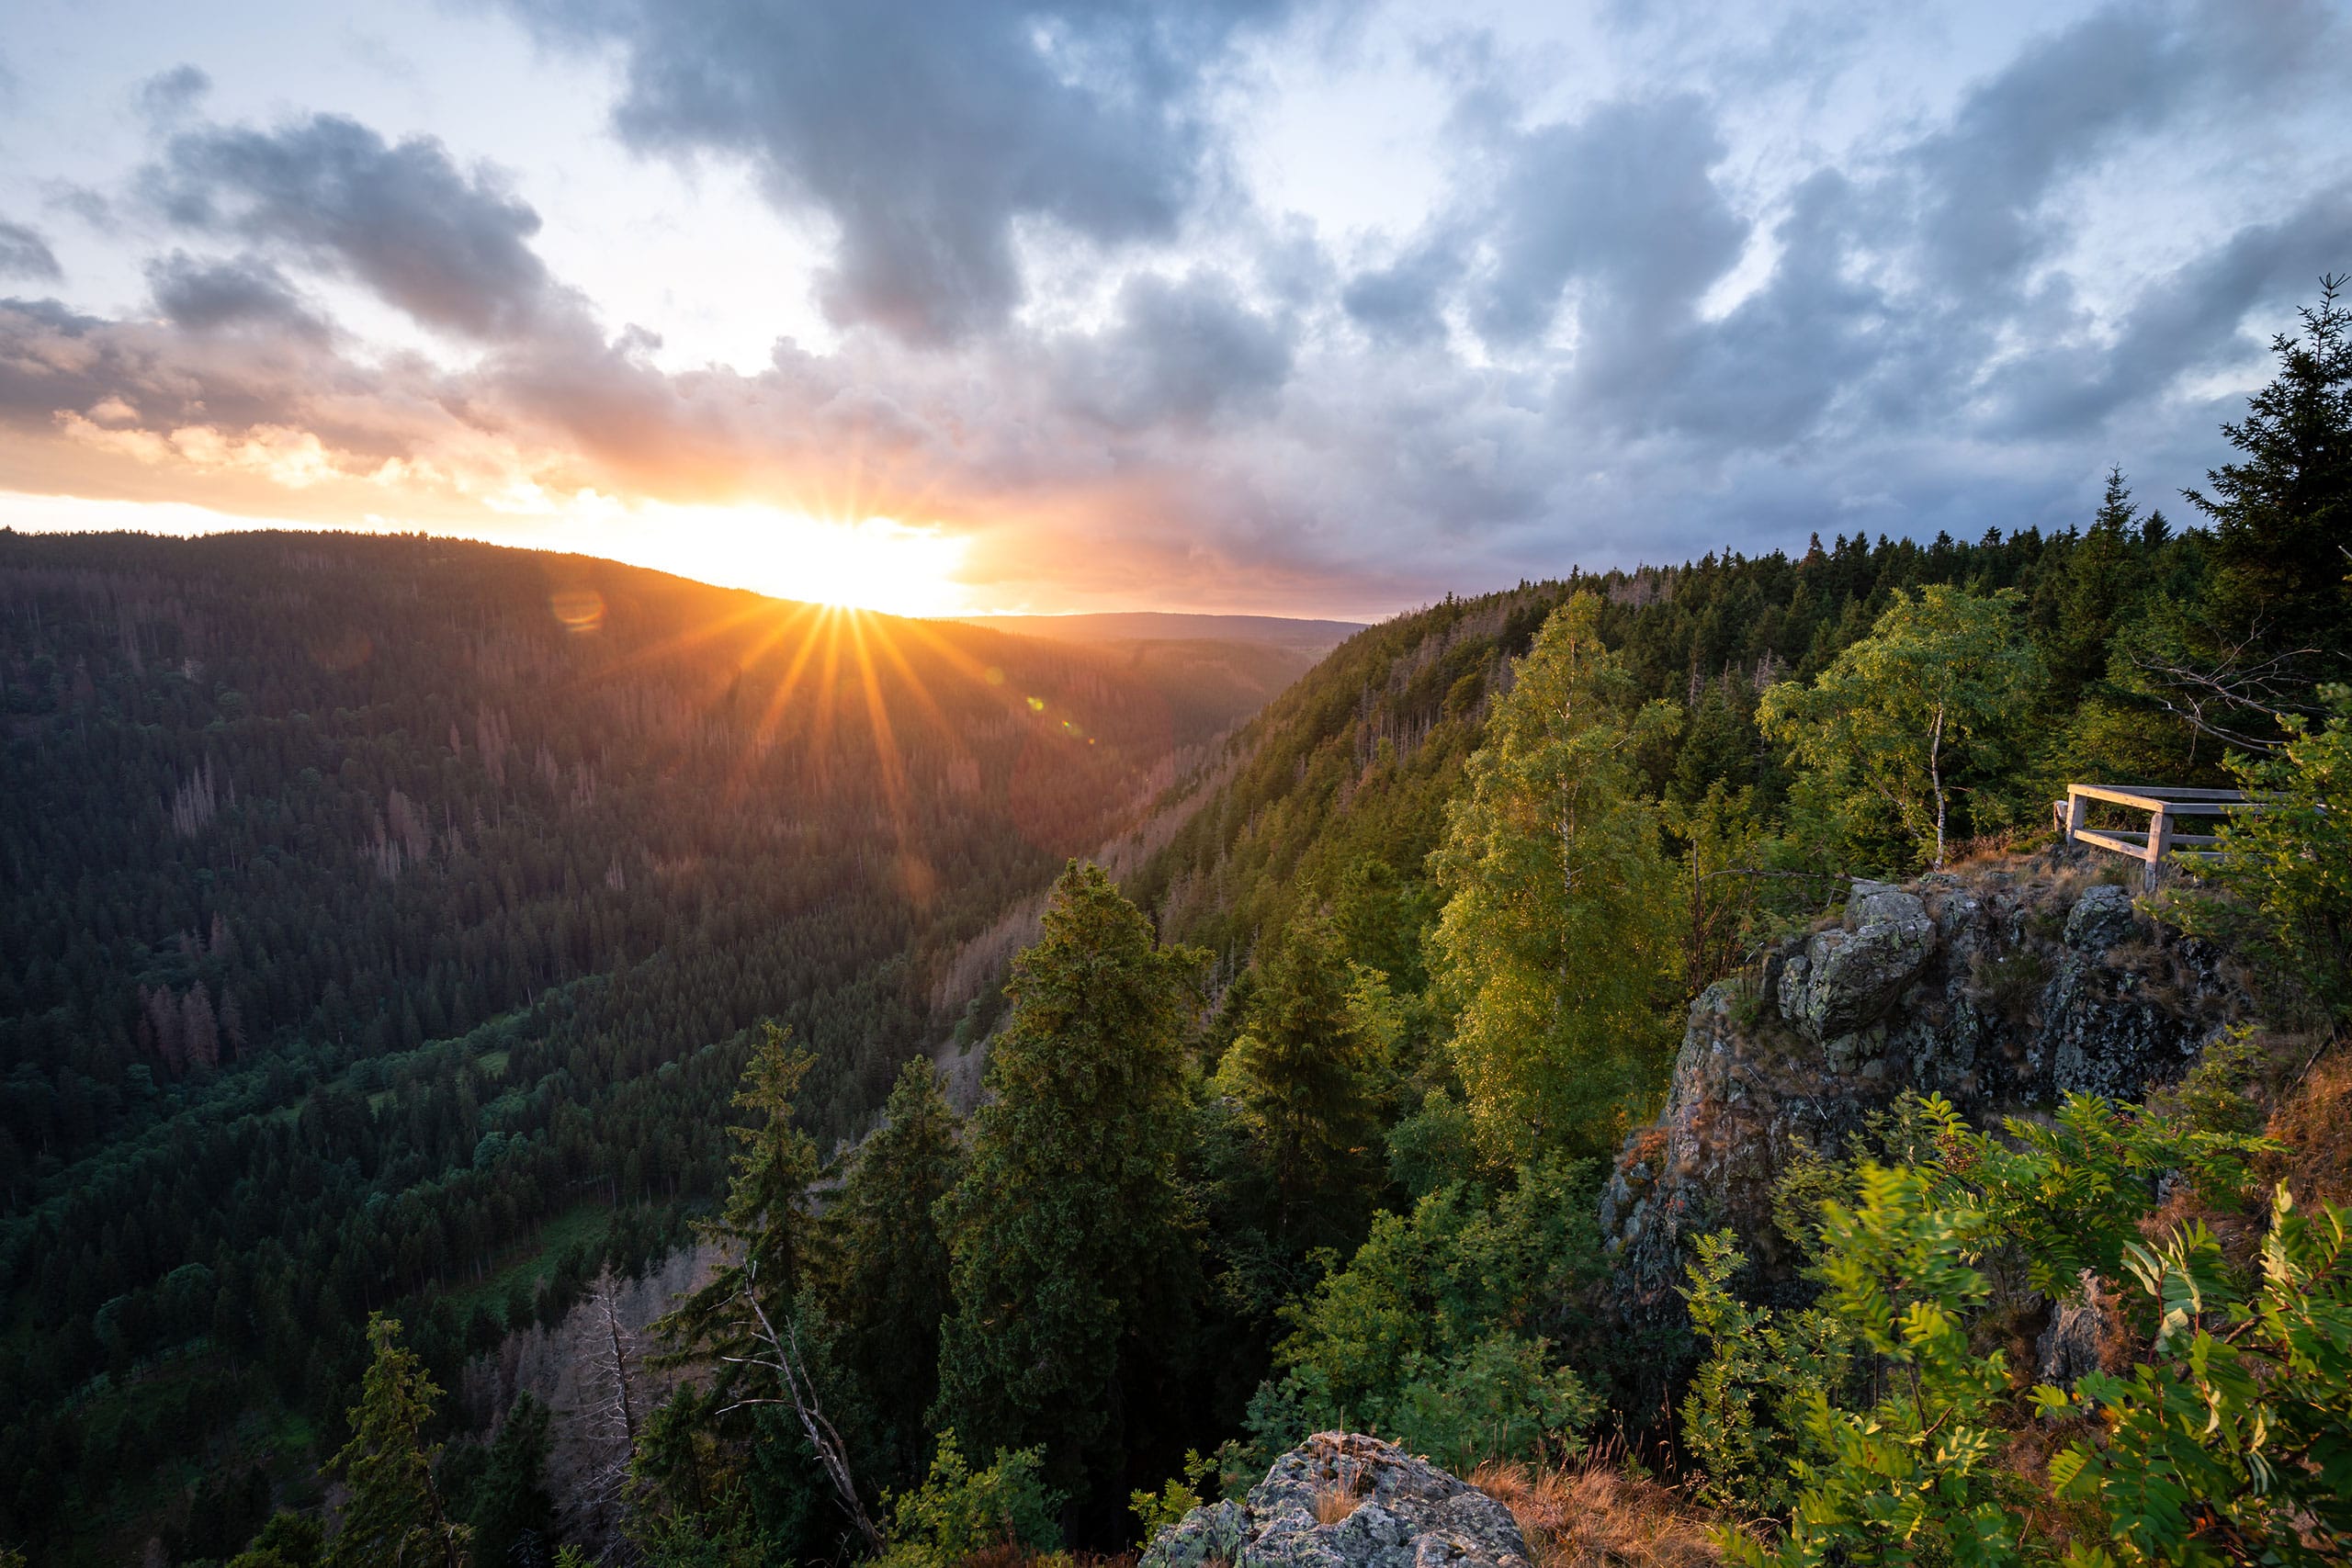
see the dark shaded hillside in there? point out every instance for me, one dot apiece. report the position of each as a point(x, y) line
point(373, 904)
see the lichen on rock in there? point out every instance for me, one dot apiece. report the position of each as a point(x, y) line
point(1387, 1509)
point(2004, 990)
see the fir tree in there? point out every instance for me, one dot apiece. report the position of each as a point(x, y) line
point(510, 1510)
point(1072, 1239)
point(2282, 514)
point(888, 1292)
point(394, 1517)
point(1302, 1071)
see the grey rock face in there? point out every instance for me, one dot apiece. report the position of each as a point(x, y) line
point(1399, 1512)
point(2085, 1334)
point(2002, 990)
point(2102, 917)
point(1847, 978)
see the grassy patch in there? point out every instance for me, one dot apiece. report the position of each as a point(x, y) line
point(532, 1262)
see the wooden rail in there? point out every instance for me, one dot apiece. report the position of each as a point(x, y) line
point(2163, 804)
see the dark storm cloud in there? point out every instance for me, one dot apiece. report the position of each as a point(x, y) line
point(1620, 200)
point(205, 294)
point(24, 253)
point(1182, 352)
point(168, 95)
point(928, 130)
point(450, 248)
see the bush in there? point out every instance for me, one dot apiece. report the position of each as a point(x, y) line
point(958, 1513)
point(2239, 1439)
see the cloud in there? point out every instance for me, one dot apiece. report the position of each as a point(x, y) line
point(449, 247)
point(930, 131)
point(169, 95)
point(1620, 200)
point(1182, 351)
point(1403, 302)
point(204, 296)
point(1620, 331)
point(24, 253)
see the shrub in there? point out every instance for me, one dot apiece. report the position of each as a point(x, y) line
point(958, 1513)
point(2236, 1435)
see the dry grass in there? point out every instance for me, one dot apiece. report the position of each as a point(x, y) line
point(1596, 1516)
point(1335, 1503)
point(2314, 1119)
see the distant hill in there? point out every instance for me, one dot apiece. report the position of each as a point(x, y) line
point(1316, 637)
point(1211, 671)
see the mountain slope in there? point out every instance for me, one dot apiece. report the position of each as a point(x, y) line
point(377, 906)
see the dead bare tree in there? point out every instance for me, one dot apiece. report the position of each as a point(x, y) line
point(607, 1359)
point(784, 1359)
point(2236, 694)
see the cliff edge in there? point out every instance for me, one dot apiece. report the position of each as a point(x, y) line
point(2003, 987)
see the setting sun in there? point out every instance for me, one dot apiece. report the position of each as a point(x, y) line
point(873, 563)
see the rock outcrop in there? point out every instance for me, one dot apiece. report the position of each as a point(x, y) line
point(2001, 989)
point(1384, 1508)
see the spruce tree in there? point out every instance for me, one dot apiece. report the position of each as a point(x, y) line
point(512, 1513)
point(2282, 514)
point(1302, 1072)
point(1074, 1257)
point(394, 1517)
point(888, 1292)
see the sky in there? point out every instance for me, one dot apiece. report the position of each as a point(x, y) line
point(1282, 306)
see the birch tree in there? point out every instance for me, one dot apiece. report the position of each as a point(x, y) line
point(1556, 952)
point(1940, 691)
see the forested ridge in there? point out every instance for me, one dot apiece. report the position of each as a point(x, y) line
point(371, 904)
point(1304, 1122)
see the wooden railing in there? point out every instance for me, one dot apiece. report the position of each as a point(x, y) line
point(2160, 838)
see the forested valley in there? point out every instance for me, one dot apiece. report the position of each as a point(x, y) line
point(383, 917)
point(401, 932)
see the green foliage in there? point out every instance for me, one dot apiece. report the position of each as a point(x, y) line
point(1936, 698)
point(394, 1516)
point(886, 1284)
point(1909, 1478)
point(2234, 1440)
point(1072, 1237)
point(764, 1228)
point(1157, 1511)
point(2286, 871)
point(959, 1513)
point(505, 1503)
point(1743, 1417)
point(287, 1541)
point(1432, 1335)
point(1873, 1419)
point(1556, 952)
point(1305, 1074)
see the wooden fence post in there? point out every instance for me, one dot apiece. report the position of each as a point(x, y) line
point(2159, 840)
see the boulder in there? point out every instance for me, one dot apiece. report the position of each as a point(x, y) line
point(1387, 1508)
point(1846, 979)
